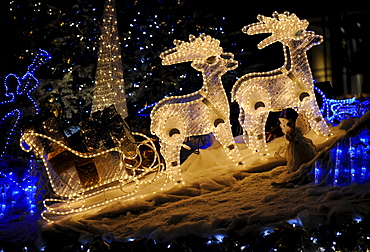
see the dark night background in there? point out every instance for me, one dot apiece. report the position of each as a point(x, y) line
point(70, 31)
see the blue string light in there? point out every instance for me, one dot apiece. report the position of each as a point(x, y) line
point(337, 110)
point(349, 162)
point(20, 98)
point(17, 190)
point(145, 108)
point(17, 184)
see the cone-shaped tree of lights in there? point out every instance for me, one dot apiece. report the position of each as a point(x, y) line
point(109, 84)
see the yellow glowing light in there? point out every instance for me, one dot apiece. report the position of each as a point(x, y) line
point(290, 86)
point(203, 112)
point(109, 85)
point(112, 186)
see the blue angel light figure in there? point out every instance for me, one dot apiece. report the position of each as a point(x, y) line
point(18, 101)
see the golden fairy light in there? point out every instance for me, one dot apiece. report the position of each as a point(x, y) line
point(202, 112)
point(109, 84)
point(290, 86)
point(74, 197)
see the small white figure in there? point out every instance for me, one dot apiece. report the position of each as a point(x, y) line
point(300, 149)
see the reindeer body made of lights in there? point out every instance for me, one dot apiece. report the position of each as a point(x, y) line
point(202, 112)
point(290, 86)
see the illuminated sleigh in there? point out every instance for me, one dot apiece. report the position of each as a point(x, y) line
point(94, 177)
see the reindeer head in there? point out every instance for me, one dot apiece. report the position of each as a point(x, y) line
point(284, 28)
point(204, 52)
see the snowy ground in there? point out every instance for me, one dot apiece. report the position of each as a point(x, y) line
point(219, 198)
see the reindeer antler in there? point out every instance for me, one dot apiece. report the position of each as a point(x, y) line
point(281, 26)
point(197, 49)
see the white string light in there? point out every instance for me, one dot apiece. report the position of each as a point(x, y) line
point(290, 86)
point(76, 198)
point(109, 83)
point(205, 111)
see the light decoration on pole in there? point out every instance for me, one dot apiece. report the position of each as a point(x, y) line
point(19, 100)
point(109, 83)
point(290, 86)
point(205, 111)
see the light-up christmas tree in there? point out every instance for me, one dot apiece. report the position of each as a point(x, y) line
point(109, 84)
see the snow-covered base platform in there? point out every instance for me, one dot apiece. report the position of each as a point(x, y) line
point(220, 199)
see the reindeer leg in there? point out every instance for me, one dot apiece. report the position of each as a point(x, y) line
point(255, 104)
point(171, 154)
point(172, 134)
point(241, 118)
point(254, 125)
point(309, 108)
point(224, 135)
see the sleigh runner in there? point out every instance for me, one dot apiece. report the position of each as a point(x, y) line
point(92, 168)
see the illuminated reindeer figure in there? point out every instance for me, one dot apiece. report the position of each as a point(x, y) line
point(199, 113)
point(290, 86)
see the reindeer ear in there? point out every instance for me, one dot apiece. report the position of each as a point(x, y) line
point(267, 41)
point(305, 24)
point(164, 54)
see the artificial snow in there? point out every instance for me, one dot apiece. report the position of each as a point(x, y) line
point(219, 198)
